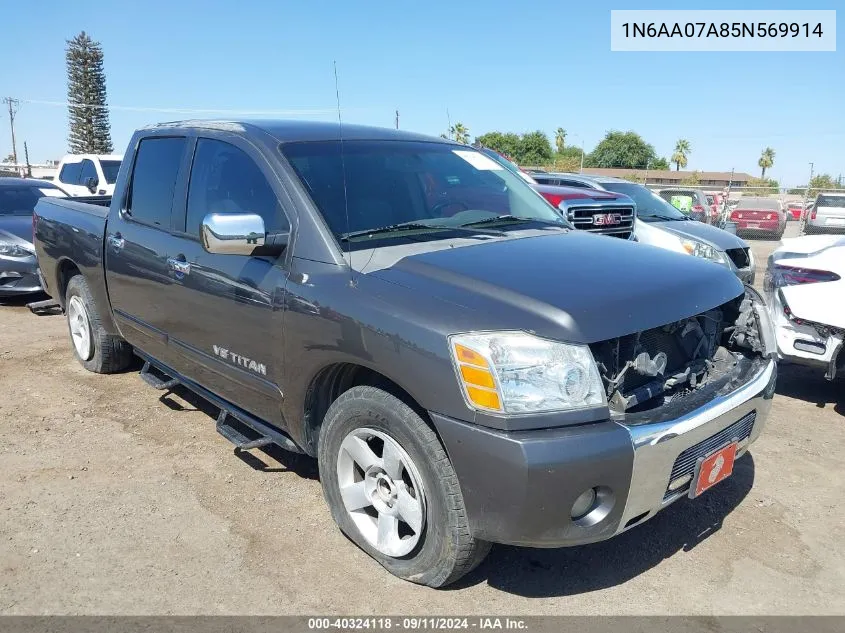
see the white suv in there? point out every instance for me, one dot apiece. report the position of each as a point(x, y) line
point(88, 174)
point(827, 214)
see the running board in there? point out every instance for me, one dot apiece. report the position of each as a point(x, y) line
point(242, 443)
point(43, 306)
point(267, 434)
point(154, 381)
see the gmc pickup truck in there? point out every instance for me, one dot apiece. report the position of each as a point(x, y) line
point(466, 368)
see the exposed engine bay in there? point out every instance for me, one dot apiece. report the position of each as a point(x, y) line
point(647, 369)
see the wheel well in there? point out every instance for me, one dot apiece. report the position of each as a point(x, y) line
point(334, 380)
point(67, 269)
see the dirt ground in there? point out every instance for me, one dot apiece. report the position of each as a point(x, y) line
point(115, 500)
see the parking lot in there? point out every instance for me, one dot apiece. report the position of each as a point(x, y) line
point(117, 500)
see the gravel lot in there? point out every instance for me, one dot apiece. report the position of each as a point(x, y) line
point(118, 501)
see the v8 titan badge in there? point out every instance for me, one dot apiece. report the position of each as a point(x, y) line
point(713, 469)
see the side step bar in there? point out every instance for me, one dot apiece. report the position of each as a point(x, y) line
point(47, 305)
point(229, 415)
point(154, 381)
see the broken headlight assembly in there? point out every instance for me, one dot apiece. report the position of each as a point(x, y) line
point(703, 250)
point(8, 249)
point(519, 373)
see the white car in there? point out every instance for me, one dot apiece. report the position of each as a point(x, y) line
point(805, 291)
point(88, 174)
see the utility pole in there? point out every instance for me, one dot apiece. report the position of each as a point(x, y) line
point(803, 224)
point(449, 121)
point(26, 158)
point(397, 119)
point(13, 109)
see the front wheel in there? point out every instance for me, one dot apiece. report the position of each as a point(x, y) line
point(391, 488)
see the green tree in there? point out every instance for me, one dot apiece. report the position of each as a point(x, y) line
point(659, 163)
point(533, 149)
point(822, 182)
point(460, 133)
point(507, 143)
point(621, 149)
point(560, 140)
point(693, 179)
point(682, 148)
point(767, 159)
point(88, 112)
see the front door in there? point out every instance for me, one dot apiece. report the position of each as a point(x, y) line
point(227, 322)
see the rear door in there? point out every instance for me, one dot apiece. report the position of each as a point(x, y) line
point(139, 242)
point(225, 317)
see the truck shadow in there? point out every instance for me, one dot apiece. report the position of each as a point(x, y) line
point(809, 385)
point(269, 459)
point(544, 573)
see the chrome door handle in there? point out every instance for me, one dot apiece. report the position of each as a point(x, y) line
point(178, 266)
point(116, 242)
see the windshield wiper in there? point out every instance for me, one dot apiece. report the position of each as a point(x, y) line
point(511, 219)
point(413, 225)
point(666, 218)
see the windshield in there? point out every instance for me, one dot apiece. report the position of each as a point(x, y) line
point(758, 203)
point(831, 201)
point(650, 206)
point(20, 200)
point(110, 169)
point(511, 166)
point(431, 185)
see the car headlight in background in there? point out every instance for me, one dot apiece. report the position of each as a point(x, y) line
point(14, 250)
point(700, 249)
point(517, 372)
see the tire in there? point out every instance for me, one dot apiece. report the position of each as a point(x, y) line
point(443, 548)
point(96, 350)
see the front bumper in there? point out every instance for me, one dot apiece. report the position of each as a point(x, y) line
point(519, 487)
point(19, 276)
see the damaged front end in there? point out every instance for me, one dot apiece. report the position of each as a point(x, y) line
point(685, 360)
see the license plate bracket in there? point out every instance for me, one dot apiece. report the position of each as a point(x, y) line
point(713, 468)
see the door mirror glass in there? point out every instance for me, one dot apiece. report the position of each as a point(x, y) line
point(234, 234)
point(91, 184)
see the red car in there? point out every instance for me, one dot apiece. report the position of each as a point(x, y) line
point(794, 210)
point(759, 215)
point(592, 210)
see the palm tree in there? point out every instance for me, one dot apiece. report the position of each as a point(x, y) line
point(767, 159)
point(560, 139)
point(460, 133)
point(682, 148)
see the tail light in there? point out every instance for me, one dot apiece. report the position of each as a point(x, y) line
point(795, 276)
point(34, 220)
point(813, 214)
point(698, 207)
point(553, 198)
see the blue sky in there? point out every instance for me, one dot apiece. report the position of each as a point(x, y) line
point(494, 65)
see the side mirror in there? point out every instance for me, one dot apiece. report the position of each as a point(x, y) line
point(91, 184)
point(239, 234)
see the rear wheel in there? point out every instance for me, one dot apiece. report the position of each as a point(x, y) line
point(93, 347)
point(391, 488)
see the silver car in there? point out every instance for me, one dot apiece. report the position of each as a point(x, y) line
point(827, 215)
point(18, 267)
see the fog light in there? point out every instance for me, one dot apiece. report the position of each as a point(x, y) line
point(679, 482)
point(583, 504)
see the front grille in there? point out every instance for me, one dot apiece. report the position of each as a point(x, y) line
point(583, 218)
point(685, 464)
point(739, 256)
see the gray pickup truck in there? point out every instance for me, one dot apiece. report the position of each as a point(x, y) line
point(466, 368)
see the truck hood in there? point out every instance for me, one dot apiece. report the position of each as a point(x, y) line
point(570, 286)
point(20, 226)
point(721, 240)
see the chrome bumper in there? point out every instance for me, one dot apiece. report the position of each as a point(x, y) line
point(657, 446)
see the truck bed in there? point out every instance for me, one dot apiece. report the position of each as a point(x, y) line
point(68, 235)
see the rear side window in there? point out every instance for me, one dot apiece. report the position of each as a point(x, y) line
point(70, 173)
point(831, 201)
point(154, 180)
point(88, 171)
point(224, 179)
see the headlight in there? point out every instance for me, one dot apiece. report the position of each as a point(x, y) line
point(700, 249)
point(13, 250)
point(516, 372)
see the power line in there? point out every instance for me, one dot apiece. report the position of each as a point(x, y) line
point(300, 112)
